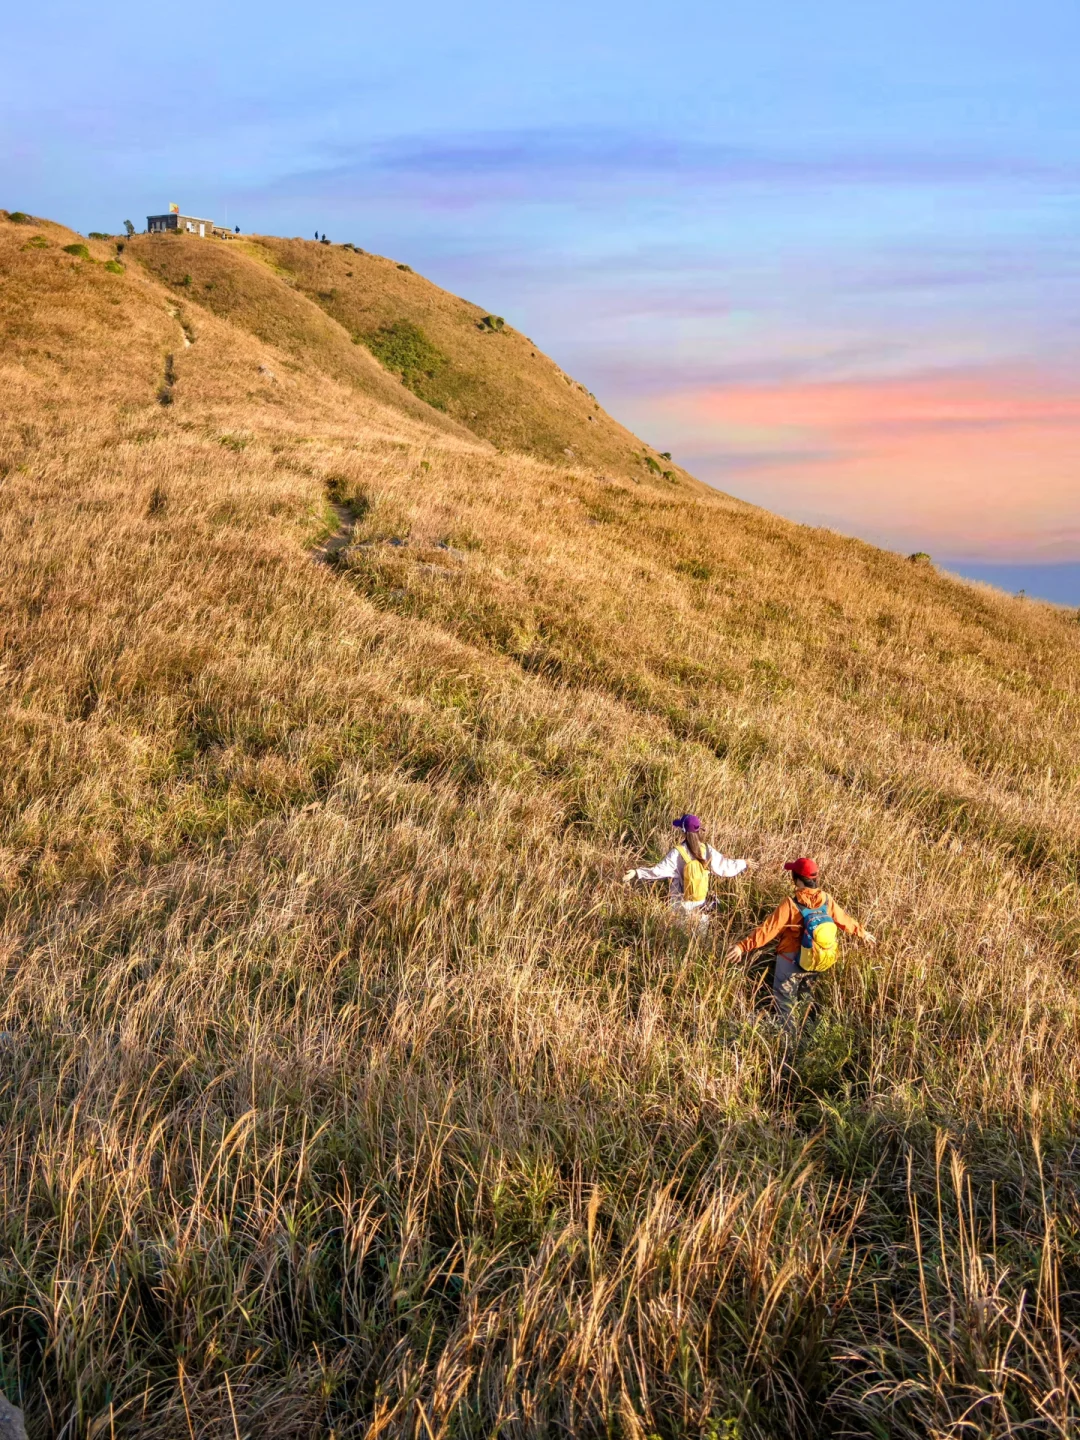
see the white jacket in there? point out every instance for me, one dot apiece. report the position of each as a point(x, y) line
point(671, 868)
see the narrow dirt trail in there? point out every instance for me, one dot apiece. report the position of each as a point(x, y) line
point(327, 551)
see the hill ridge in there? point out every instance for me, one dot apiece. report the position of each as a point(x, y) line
point(496, 384)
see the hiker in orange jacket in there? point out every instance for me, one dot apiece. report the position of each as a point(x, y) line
point(806, 924)
point(688, 866)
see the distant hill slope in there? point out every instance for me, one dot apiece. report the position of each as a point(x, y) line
point(343, 1088)
point(225, 278)
point(494, 382)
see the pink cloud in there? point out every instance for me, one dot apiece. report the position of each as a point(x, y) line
point(979, 463)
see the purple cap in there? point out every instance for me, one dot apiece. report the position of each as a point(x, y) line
point(687, 822)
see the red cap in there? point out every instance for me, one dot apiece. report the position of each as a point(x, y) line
point(804, 869)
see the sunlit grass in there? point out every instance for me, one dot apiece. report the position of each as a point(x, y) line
point(347, 1093)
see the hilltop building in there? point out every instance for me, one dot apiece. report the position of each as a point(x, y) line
point(189, 224)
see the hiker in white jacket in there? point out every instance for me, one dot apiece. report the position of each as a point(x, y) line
point(688, 867)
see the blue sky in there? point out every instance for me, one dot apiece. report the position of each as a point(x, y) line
point(826, 254)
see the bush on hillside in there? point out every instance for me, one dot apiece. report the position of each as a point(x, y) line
point(100, 235)
point(19, 217)
point(407, 268)
point(114, 267)
point(79, 250)
point(36, 242)
point(696, 569)
point(404, 348)
point(129, 229)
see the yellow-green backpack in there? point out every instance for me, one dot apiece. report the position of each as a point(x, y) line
point(695, 876)
point(820, 938)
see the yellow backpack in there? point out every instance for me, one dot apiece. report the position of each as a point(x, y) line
point(820, 938)
point(695, 876)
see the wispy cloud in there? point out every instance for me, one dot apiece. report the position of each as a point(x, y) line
point(595, 153)
point(548, 161)
point(944, 401)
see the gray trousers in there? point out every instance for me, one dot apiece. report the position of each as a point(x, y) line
point(789, 982)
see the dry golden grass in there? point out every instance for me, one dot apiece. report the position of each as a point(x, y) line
point(232, 280)
point(499, 386)
point(346, 1093)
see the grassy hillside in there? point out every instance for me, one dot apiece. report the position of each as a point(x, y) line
point(225, 278)
point(347, 1093)
point(492, 381)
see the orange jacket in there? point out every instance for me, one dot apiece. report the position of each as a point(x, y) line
point(786, 922)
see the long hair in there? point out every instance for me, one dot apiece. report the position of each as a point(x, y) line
point(695, 844)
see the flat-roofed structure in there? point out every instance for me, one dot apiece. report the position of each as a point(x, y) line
point(186, 224)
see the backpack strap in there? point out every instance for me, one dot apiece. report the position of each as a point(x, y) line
point(688, 855)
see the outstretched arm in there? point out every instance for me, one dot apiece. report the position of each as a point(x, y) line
point(848, 924)
point(723, 867)
point(768, 930)
point(667, 868)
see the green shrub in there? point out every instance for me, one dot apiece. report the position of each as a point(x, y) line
point(404, 348)
point(665, 454)
point(19, 217)
point(114, 267)
point(492, 323)
point(919, 555)
point(653, 465)
point(696, 569)
point(78, 249)
point(129, 229)
point(407, 268)
point(36, 242)
point(99, 235)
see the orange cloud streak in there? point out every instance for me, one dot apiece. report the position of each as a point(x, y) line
point(976, 464)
